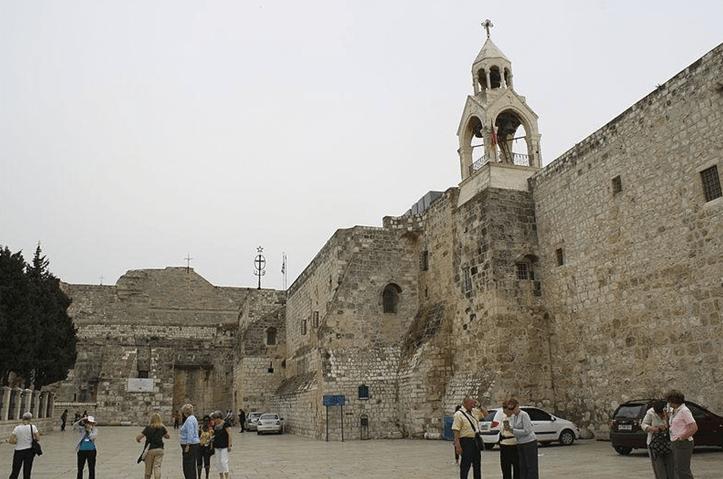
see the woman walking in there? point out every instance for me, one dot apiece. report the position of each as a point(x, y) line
point(22, 437)
point(87, 451)
point(154, 433)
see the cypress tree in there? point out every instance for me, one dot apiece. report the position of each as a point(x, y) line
point(56, 335)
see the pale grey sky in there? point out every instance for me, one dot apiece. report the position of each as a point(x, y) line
point(134, 133)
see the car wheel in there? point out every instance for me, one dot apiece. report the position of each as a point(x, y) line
point(489, 446)
point(567, 437)
point(623, 450)
point(258, 433)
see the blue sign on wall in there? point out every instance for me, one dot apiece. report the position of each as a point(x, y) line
point(334, 400)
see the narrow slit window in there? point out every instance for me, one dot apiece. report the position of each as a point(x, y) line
point(617, 184)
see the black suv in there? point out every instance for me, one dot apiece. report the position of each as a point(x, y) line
point(626, 434)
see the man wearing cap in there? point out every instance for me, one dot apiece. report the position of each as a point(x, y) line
point(87, 451)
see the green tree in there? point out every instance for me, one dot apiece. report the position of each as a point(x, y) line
point(16, 352)
point(56, 336)
point(37, 338)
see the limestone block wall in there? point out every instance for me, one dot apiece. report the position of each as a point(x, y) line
point(493, 327)
point(344, 285)
point(632, 275)
point(261, 365)
point(170, 326)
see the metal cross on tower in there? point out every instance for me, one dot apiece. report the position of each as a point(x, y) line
point(487, 24)
point(188, 263)
point(259, 264)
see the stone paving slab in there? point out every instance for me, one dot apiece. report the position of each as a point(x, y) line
point(289, 456)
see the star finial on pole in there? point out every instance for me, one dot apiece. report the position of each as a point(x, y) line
point(487, 24)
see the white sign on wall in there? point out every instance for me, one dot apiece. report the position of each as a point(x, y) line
point(140, 385)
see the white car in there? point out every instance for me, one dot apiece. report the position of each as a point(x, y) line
point(252, 419)
point(548, 427)
point(270, 422)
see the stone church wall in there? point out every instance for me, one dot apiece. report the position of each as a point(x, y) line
point(261, 364)
point(169, 326)
point(635, 308)
point(339, 334)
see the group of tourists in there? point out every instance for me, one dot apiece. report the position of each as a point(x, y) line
point(670, 426)
point(26, 433)
point(518, 443)
point(198, 444)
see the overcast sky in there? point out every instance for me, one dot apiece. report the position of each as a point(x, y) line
point(135, 133)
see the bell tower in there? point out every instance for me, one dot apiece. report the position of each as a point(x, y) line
point(497, 125)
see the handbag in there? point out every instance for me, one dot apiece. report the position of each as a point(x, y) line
point(35, 445)
point(142, 457)
point(478, 442)
point(660, 443)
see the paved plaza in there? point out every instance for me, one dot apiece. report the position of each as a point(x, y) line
point(289, 456)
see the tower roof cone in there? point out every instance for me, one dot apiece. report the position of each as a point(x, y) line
point(490, 51)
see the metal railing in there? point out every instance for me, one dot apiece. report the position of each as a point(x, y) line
point(518, 159)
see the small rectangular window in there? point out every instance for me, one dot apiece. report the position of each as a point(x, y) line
point(303, 327)
point(711, 183)
point(560, 257)
point(316, 319)
point(617, 185)
point(523, 271)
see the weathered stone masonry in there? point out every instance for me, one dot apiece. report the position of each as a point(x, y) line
point(576, 286)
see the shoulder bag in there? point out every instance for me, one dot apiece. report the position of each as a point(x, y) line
point(478, 442)
point(660, 443)
point(35, 445)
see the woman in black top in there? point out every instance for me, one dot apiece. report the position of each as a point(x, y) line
point(222, 443)
point(154, 434)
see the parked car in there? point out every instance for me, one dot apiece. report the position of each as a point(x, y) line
point(270, 422)
point(252, 419)
point(626, 434)
point(548, 427)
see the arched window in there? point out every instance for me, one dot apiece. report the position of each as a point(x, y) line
point(390, 298)
point(271, 337)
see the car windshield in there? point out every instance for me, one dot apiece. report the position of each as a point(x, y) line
point(254, 415)
point(490, 416)
point(269, 416)
point(629, 412)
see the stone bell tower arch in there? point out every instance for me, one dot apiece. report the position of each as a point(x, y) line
point(497, 125)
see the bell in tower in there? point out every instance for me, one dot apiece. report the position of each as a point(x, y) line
point(497, 125)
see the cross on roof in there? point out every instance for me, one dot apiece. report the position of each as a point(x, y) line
point(487, 24)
